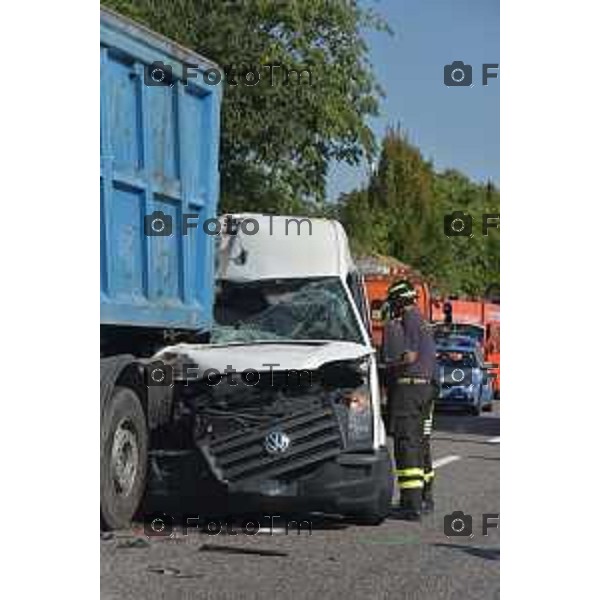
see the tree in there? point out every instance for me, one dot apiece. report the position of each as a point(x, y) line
point(402, 213)
point(279, 136)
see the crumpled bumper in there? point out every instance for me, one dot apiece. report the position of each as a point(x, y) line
point(351, 483)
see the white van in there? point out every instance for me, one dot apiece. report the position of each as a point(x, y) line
point(297, 417)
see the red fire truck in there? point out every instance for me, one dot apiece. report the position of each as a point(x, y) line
point(483, 316)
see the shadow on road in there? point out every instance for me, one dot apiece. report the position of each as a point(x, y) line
point(184, 497)
point(485, 425)
point(241, 550)
point(479, 552)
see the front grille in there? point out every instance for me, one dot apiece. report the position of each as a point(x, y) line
point(315, 436)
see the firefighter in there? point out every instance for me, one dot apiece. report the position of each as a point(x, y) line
point(408, 352)
point(447, 310)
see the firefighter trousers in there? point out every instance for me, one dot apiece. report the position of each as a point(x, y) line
point(428, 471)
point(410, 419)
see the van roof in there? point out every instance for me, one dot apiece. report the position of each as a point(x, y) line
point(283, 247)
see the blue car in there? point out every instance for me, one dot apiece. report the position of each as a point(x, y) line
point(476, 333)
point(464, 382)
point(456, 341)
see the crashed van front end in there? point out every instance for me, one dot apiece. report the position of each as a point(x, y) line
point(291, 424)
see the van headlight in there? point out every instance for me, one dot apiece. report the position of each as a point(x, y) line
point(360, 417)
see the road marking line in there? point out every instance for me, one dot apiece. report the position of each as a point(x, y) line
point(495, 440)
point(272, 531)
point(445, 460)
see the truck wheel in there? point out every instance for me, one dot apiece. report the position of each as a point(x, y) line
point(124, 450)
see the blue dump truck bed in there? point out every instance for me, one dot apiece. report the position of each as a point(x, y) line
point(159, 152)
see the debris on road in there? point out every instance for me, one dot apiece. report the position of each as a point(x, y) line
point(239, 550)
point(135, 543)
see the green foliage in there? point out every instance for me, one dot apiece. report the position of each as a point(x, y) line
point(401, 213)
point(278, 139)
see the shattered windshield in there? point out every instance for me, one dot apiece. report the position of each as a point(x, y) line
point(284, 309)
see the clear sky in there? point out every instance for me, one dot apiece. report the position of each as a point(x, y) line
point(455, 127)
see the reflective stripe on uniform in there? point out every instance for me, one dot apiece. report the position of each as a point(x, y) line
point(412, 380)
point(429, 476)
point(410, 472)
point(412, 484)
point(410, 478)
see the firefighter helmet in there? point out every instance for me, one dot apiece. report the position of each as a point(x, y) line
point(402, 291)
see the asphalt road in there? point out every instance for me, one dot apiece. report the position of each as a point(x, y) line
point(393, 560)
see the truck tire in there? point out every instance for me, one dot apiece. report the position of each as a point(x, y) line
point(123, 458)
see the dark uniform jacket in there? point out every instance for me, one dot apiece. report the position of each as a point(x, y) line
point(409, 334)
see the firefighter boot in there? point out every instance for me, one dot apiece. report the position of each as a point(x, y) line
point(410, 505)
point(428, 503)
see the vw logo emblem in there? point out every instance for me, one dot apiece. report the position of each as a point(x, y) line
point(276, 442)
